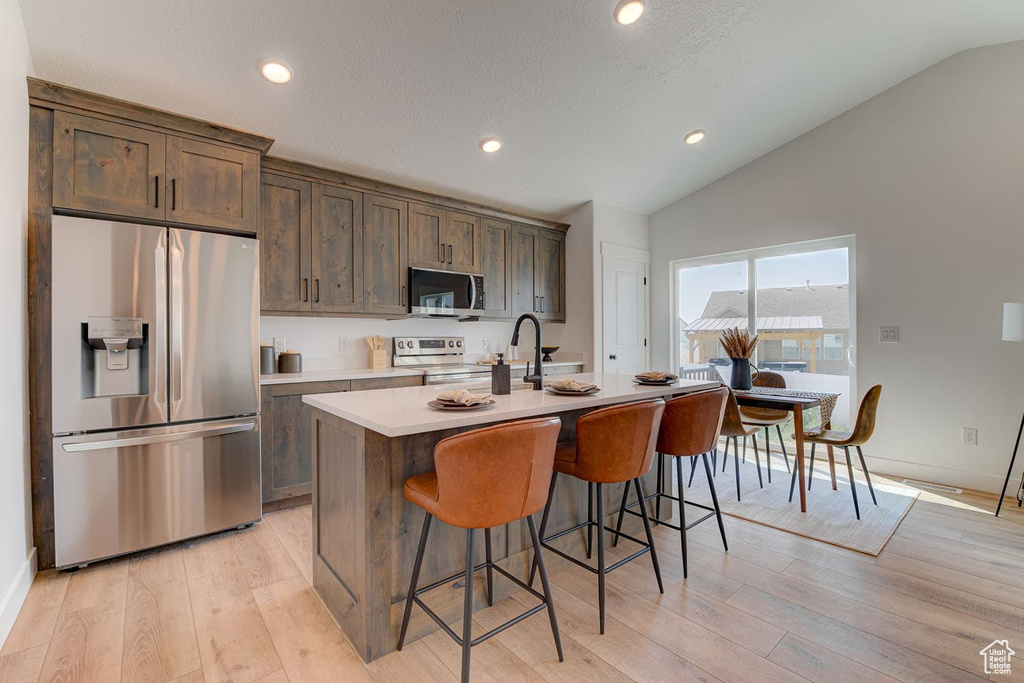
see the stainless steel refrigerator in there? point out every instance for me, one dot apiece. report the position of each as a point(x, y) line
point(155, 344)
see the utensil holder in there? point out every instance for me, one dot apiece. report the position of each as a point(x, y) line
point(378, 359)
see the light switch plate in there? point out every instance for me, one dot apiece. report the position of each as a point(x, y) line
point(280, 345)
point(889, 335)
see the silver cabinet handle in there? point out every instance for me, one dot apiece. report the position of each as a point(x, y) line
point(160, 333)
point(176, 324)
point(159, 438)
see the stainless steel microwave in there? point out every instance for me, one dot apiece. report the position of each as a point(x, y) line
point(445, 294)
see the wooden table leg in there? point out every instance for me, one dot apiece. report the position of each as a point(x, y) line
point(801, 482)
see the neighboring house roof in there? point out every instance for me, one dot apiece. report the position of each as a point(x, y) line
point(830, 303)
point(775, 324)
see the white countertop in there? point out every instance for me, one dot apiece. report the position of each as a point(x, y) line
point(399, 412)
point(337, 375)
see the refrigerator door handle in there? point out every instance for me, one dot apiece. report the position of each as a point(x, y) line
point(160, 334)
point(176, 324)
point(159, 438)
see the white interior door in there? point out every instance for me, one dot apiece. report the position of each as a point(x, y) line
point(625, 315)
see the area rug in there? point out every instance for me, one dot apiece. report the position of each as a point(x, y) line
point(829, 517)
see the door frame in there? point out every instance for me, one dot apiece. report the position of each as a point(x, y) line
point(621, 251)
point(848, 242)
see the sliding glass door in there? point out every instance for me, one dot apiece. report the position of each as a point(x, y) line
point(800, 301)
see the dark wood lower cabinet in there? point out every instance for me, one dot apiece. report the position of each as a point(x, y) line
point(285, 436)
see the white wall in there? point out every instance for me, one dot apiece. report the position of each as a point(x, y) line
point(16, 551)
point(929, 175)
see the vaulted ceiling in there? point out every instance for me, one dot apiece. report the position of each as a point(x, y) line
point(404, 90)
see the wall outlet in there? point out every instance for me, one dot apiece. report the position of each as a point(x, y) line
point(969, 436)
point(280, 344)
point(889, 335)
point(343, 344)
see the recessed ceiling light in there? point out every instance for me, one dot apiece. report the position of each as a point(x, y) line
point(490, 145)
point(628, 11)
point(275, 72)
point(693, 137)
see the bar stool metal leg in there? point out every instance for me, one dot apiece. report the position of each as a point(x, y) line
point(622, 513)
point(544, 522)
point(590, 518)
point(714, 501)
point(600, 552)
point(490, 572)
point(661, 489)
point(853, 482)
point(693, 469)
point(682, 514)
point(467, 610)
point(864, 466)
point(547, 588)
point(639, 485)
point(415, 578)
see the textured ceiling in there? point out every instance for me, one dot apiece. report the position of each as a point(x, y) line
point(587, 109)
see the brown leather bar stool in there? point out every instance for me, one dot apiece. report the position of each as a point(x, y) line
point(768, 418)
point(613, 445)
point(689, 428)
point(483, 479)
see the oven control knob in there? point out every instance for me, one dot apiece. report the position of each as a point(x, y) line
point(401, 344)
point(451, 344)
point(459, 343)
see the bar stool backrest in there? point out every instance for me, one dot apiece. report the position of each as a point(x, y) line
point(617, 444)
point(495, 475)
point(691, 423)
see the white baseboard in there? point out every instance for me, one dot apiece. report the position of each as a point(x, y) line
point(16, 595)
point(966, 479)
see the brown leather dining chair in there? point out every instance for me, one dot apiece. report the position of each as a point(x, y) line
point(733, 427)
point(768, 418)
point(485, 478)
point(689, 429)
point(613, 445)
point(862, 431)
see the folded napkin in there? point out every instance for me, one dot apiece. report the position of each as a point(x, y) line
point(570, 384)
point(462, 396)
point(657, 376)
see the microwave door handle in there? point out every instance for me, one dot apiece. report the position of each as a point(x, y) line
point(160, 333)
point(472, 292)
point(176, 324)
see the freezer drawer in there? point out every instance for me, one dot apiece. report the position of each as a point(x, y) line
point(119, 492)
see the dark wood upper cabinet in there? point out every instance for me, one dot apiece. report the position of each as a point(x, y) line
point(106, 167)
point(385, 255)
point(496, 264)
point(551, 275)
point(463, 243)
point(427, 226)
point(538, 273)
point(524, 271)
point(286, 245)
point(212, 185)
point(337, 250)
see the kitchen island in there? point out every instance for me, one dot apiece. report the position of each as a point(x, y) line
point(366, 444)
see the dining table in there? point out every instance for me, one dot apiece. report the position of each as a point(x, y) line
point(796, 402)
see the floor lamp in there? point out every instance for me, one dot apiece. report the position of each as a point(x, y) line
point(1013, 330)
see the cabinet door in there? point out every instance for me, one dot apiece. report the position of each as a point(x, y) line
point(285, 245)
point(385, 255)
point(426, 237)
point(496, 263)
point(550, 275)
point(212, 185)
point(524, 277)
point(285, 438)
point(337, 250)
point(107, 167)
point(464, 248)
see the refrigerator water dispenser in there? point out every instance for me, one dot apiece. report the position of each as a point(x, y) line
point(114, 361)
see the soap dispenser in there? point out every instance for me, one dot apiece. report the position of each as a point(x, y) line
point(501, 377)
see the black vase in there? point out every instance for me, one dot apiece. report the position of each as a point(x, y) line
point(740, 379)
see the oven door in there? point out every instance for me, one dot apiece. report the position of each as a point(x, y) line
point(442, 293)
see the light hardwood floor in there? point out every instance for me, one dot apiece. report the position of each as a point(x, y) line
point(776, 607)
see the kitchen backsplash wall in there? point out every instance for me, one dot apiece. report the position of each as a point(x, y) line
point(327, 343)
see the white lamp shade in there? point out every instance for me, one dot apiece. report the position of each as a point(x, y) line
point(1013, 322)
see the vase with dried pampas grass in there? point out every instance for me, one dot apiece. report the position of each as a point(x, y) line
point(739, 346)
